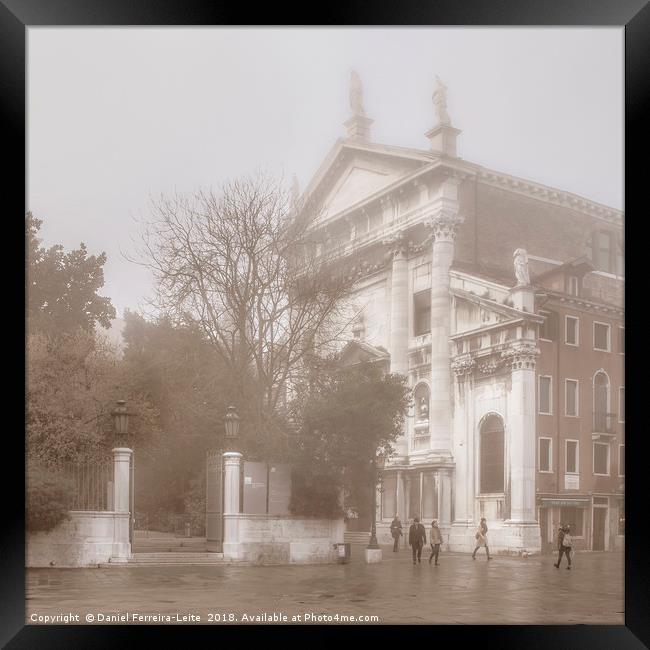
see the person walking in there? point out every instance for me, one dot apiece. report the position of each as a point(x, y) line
point(435, 539)
point(564, 545)
point(481, 539)
point(396, 532)
point(417, 539)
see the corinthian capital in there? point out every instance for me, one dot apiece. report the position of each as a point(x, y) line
point(521, 355)
point(444, 224)
point(463, 365)
point(397, 244)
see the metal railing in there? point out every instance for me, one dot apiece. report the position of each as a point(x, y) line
point(92, 485)
point(603, 422)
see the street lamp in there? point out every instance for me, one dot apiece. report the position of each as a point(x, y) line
point(120, 417)
point(378, 464)
point(231, 425)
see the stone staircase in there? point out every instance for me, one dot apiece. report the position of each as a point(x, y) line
point(174, 558)
point(169, 544)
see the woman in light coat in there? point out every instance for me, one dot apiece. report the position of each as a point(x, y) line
point(481, 539)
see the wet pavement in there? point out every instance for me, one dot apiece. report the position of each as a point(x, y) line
point(505, 590)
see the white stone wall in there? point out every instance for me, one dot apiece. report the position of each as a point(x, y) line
point(268, 539)
point(86, 539)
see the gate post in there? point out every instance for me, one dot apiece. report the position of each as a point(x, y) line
point(121, 504)
point(232, 462)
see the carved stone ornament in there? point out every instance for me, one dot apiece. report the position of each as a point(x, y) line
point(444, 225)
point(489, 367)
point(521, 355)
point(463, 364)
point(397, 244)
point(356, 94)
point(521, 267)
point(440, 102)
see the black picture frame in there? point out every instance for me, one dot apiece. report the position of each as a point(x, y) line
point(17, 15)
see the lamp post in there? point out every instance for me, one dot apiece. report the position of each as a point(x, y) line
point(378, 463)
point(231, 425)
point(120, 417)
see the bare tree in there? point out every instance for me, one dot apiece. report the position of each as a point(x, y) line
point(243, 266)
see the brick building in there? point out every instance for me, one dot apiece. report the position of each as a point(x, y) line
point(501, 300)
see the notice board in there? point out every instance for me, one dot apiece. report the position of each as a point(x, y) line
point(255, 487)
point(279, 489)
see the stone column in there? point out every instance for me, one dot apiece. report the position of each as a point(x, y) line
point(231, 482)
point(462, 367)
point(399, 309)
point(399, 319)
point(521, 445)
point(121, 504)
point(444, 223)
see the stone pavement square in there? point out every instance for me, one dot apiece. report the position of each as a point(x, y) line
point(505, 590)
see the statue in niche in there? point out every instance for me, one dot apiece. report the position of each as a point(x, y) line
point(521, 267)
point(356, 94)
point(423, 408)
point(440, 102)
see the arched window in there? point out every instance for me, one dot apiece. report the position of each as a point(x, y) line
point(492, 455)
point(601, 402)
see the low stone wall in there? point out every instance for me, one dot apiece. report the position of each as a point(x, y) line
point(86, 539)
point(270, 539)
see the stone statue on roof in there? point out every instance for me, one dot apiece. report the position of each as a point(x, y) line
point(440, 102)
point(521, 267)
point(356, 94)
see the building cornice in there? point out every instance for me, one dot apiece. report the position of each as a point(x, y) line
point(550, 195)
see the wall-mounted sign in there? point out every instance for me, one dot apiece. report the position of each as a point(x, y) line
point(255, 484)
point(571, 481)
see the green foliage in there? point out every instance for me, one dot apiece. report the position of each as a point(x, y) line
point(62, 287)
point(342, 417)
point(73, 382)
point(47, 498)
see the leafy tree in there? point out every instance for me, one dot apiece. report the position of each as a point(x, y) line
point(73, 382)
point(342, 417)
point(62, 287)
point(47, 498)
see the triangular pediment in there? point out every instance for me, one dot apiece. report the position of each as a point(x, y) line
point(352, 173)
point(356, 352)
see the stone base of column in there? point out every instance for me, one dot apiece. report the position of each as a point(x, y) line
point(232, 551)
point(520, 537)
point(461, 537)
point(121, 553)
point(372, 555)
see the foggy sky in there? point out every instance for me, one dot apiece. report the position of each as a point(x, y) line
point(118, 115)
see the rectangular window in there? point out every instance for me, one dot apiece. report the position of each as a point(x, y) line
point(548, 329)
point(621, 340)
point(574, 518)
point(601, 337)
point(572, 331)
point(545, 445)
point(604, 252)
point(571, 397)
point(573, 286)
point(621, 404)
point(621, 460)
point(422, 313)
point(545, 395)
point(601, 458)
point(571, 456)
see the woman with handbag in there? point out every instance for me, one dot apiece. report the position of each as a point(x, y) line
point(481, 539)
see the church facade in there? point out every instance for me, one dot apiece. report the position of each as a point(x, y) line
point(501, 301)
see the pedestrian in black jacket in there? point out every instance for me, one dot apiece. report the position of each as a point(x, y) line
point(417, 539)
point(564, 545)
point(396, 532)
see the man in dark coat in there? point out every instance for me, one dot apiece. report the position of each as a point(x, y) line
point(396, 532)
point(563, 547)
point(417, 538)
